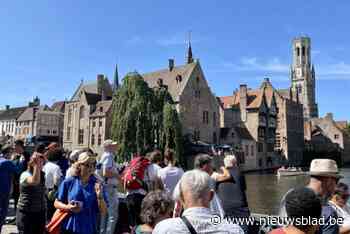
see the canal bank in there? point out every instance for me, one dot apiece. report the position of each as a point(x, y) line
point(265, 190)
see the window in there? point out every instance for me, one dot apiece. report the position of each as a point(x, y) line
point(101, 108)
point(260, 147)
point(70, 115)
point(93, 123)
point(100, 123)
point(215, 138)
point(197, 94)
point(298, 51)
point(99, 140)
point(82, 112)
point(247, 150)
point(48, 131)
point(270, 147)
point(233, 134)
point(336, 136)
point(68, 134)
point(196, 135)
point(81, 137)
point(261, 132)
point(303, 51)
point(54, 132)
point(198, 79)
point(205, 117)
point(92, 139)
point(252, 148)
point(214, 119)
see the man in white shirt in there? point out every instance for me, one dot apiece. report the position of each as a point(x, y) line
point(53, 177)
point(196, 194)
point(110, 174)
point(170, 175)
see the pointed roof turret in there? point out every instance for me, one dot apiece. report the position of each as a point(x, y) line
point(116, 79)
point(189, 50)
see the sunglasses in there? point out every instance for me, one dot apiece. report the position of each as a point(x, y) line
point(88, 165)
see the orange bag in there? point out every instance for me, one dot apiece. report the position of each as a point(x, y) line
point(55, 224)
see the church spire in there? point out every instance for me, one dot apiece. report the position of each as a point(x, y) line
point(189, 50)
point(116, 79)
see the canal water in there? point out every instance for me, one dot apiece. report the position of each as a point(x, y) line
point(265, 191)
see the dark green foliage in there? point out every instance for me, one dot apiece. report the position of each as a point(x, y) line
point(144, 119)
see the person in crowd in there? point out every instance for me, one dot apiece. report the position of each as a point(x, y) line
point(156, 206)
point(324, 176)
point(301, 203)
point(154, 181)
point(202, 162)
point(111, 176)
point(136, 183)
point(82, 197)
point(339, 201)
point(31, 208)
point(53, 176)
point(170, 175)
point(231, 187)
point(196, 194)
point(7, 171)
point(73, 158)
point(20, 158)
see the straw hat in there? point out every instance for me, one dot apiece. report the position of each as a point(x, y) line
point(85, 157)
point(324, 167)
point(109, 142)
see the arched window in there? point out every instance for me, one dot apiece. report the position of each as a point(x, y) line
point(70, 115)
point(303, 50)
point(298, 51)
point(82, 112)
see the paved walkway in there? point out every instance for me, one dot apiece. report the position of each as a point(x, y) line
point(10, 229)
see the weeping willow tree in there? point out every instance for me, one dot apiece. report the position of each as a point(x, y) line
point(144, 119)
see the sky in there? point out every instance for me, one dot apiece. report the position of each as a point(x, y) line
point(48, 46)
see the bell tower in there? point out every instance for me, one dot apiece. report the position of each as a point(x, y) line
point(303, 76)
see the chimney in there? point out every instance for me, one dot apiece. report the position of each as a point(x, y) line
point(329, 116)
point(243, 101)
point(171, 64)
point(100, 83)
point(7, 107)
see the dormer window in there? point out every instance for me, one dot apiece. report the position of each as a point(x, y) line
point(160, 82)
point(178, 78)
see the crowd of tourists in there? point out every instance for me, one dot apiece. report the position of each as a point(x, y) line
point(81, 192)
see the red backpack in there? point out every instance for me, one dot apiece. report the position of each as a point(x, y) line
point(135, 172)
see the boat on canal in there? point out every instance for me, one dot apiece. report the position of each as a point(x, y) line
point(290, 171)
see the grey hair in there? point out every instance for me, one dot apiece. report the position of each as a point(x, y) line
point(197, 182)
point(230, 160)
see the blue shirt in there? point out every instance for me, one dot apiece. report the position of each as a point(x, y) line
point(7, 170)
point(85, 221)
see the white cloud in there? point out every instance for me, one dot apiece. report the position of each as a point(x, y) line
point(278, 70)
point(273, 65)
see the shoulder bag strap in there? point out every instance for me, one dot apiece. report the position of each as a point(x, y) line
point(189, 225)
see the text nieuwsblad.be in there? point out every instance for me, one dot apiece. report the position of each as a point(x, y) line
point(277, 221)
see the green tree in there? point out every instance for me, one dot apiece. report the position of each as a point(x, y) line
point(144, 119)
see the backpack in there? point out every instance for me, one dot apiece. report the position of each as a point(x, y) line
point(134, 173)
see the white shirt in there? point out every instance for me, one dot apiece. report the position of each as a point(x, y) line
point(201, 219)
point(107, 161)
point(153, 170)
point(170, 176)
point(53, 175)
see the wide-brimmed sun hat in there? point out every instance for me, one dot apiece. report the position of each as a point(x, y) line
point(109, 142)
point(325, 168)
point(85, 158)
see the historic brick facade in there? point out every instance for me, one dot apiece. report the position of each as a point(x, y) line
point(198, 108)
